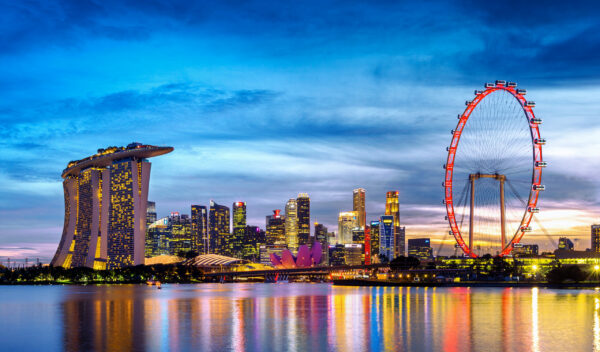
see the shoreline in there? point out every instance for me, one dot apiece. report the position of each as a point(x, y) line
point(499, 284)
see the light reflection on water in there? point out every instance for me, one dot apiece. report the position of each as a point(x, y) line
point(297, 317)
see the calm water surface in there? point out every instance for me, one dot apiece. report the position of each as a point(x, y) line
point(296, 317)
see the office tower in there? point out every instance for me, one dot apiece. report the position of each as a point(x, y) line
point(386, 237)
point(420, 248)
point(291, 225)
point(565, 244)
point(596, 238)
point(266, 251)
point(358, 205)
point(374, 231)
point(150, 213)
point(254, 238)
point(347, 221)
point(158, 237)
point(303, 205)
point(336, 255)
point(353, 254)
point(392, 207)
point(218, 229)
point(367, 246)
point(236, 244)
point(321, 236)
point(106, 205)
point(181, 234)
point(199, 229)
point(275, 229)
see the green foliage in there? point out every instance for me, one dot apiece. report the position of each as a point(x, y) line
point(167, 273)
point(566, 273)
point(403, 263)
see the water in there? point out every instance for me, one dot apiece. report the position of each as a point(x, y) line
point(296, 317)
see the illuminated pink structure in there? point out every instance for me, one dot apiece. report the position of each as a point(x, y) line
point(305, 258)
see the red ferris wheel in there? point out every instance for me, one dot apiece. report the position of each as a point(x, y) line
point(494, 171)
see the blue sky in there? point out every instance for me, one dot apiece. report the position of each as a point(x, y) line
point(263, 100)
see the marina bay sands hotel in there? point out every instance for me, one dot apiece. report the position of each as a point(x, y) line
point(106, 196)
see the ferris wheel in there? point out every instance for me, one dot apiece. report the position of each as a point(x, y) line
point(494, 171)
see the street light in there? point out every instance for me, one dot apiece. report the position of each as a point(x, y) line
point(596, 267)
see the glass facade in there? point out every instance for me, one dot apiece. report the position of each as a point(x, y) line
point(303, 203)
point(199, 229)
point(219, 229)
point(386, 237)
point(236, 245)
point(291, 225)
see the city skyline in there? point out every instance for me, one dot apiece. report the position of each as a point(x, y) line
point(263, 107)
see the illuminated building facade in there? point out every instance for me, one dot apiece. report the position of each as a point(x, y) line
point(181, 234)
point(347, 221)
point(266, 251)
point(521, 250)
point(199, 229)
point(392, 207)
point(596, 238)
point(358, 205)
point(236, 245)
point(275, 229)
point(150, 213)
point(565, 244)
point(321, 236)
point(303, 204)
point(106, 208)
point(386, 237)
point(291, 225)
point(374, 232)
point(218, 229)
point(158, 236)
point(367, 246)
point(254, 238)
point(353, 254)
point(336, 255)
point(420, 248)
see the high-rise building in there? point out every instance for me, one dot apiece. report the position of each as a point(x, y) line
point(336, 255)
point(236, 245)
point(303, 204)
point(321, 236)
point(181, 234)
point(367, 246)
point(218, 229)
point(150, 213)
point(106, 206)
point(386, 237)
point(374, 230)
point(596, 238)
point(392, 207)
point(358, 205)
point(275, 229)
point(291, 225)
point(158, 236)
point(199, 229)
point(347, 221)
point(565, 244)
point(420, 248)
point(266, 251)
point(353, 254)
point(254, 238)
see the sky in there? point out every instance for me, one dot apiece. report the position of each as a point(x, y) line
point(263, 100)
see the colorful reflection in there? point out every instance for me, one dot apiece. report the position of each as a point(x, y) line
point(302, 317)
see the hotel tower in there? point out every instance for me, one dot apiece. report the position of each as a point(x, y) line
point(106, 197)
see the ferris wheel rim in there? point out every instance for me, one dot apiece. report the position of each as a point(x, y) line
point(536, 177)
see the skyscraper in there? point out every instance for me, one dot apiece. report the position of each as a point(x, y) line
point(254, 238)
point(236, 244)
point(392, 207)
point(150, 213)
point(596, 238)
point(181, 234)
point(565, 243)
point(218, 229)
point(374, 231)
point(291, 225)
point(358, 205)
point(199, 229)
point(321, 237)
point(303, 204)
point(347, 221)
point(275, 229)
point(106, 206)
point(386, 237)
point(420, 248)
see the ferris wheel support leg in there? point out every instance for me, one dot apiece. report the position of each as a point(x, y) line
point(471, 215)
point(502, 213)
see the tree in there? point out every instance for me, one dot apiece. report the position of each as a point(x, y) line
point(566, 273)
point(404, 263)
